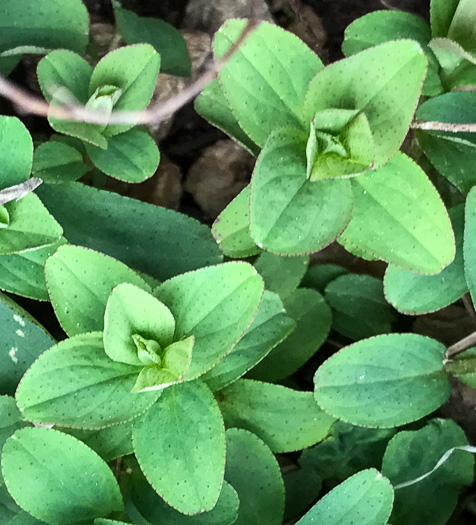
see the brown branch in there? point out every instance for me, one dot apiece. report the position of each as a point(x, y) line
point(28, 103)
point(461, 346)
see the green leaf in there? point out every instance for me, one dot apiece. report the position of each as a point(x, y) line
point(286, 420)
point(364, 499)
point(252, 470)
point(231, 229)
point(270, 326)
point(381, 26)
point(10, 419)
point(313, 322)
point(64, 71)
point(290, 215)
point(175, 361)
point(143, 501)
point(340, 145)
point(320, 275)
point(215, 305)
point(302, 487)
point(463, 366)
point(45, 24)
point(411, 293)
point(132, 156)
point(412, 454)
point(385, 381)
point(281, 275)
point(8, 64)
point(347, 451)
point(399, 217)
point(76, 384)
point(167, 243)
point(24, 273)
point(359, 308)
point(22, 341)
point(16, 151)
point(133, 70)
point(383, 82)
point(110, 443)
point(452, 154)
point(30, 226)
point(8, 508)
point(441, 15)
point(180, 446)
point(57, 162)
point(79, 283)
point(58, 479)
point(130, 311)
point(469, 246)
point(274, 68)
point(165, 39)
point(213, 106)
point(461, 28)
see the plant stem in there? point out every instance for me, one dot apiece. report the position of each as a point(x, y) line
point(461, 346)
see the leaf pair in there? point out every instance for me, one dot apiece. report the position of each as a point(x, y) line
point(123, 80)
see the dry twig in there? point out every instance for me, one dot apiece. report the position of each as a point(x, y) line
point(32, 104)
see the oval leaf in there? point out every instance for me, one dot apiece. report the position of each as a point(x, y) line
point(385, 381)
point(180, 446)
point(364, 499)
point(58, 479)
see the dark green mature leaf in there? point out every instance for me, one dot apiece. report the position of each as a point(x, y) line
point(215, 305)
point(58, 479)
point(286, 420)
point(452, 154)
point(144, 503)
point(359, 308)
point(165, 39)
point(16, 150)
point(8, 64)
point(213, 106)
point(281, 275)
point(441, 15)
point(8, 508)
point(29, 226)
point(274, 68)
point(133, 70)
point(109, 443)
point(76, 384)
point(290, 215)
point(381, 26)
point(347, 451)
point(252, 470)
point(411, 293)
point(399, 217)
point(364, 499)
point(23, 518)
point(463, 366)
point(10, 419)
point(412, 454)
point(232, 229)
point(313, 322)
point(22, 341)
point(384, 381)
point(384, 82)
point(157, 241)
point(320, 275)
point(79, 283)
point(43, 24)
point(24, 273)
point(132, 156)
point(461, 28)
point(270, 326)
point(302, 487)
point(57, 162)
point(180, 446)
point(469, 246)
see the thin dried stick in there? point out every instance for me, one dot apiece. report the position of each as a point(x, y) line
point(461, 346)
point(28, 103)
point(454, 127)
